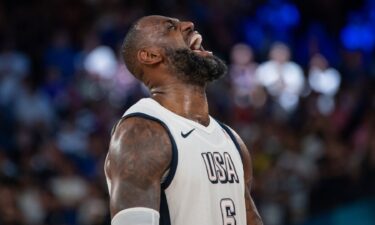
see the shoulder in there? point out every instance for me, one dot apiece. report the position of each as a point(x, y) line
point(245, 154)
point(142, 140)
point(135, 125)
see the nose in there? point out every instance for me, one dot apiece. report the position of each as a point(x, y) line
point(187, 26)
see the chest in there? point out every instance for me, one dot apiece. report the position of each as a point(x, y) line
point(208, 159)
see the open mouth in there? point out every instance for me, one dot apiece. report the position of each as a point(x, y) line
point(195, 44)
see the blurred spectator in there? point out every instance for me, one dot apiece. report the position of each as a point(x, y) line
point(13, 62)
point(282, 78)
point(60, 54)
point(242, 74)
point(30, 203)
point(72, 140)
point(9, 211)
point(32, 107)
point(325, 81)
point(69, 187)
point(14, 66)
point(94, 209)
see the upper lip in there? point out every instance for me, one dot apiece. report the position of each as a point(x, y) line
point(190, 35)
point(195, 39)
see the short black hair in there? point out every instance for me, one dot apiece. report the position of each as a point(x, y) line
point(130, 48)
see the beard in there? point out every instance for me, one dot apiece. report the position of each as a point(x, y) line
point(195, 69)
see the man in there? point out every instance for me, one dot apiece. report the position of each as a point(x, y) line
point(169, 162)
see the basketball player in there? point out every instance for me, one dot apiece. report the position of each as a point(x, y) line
point(169, 162)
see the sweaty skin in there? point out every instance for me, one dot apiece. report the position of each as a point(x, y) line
point(140, 149)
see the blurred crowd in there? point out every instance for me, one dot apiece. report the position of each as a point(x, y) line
point(299, 91)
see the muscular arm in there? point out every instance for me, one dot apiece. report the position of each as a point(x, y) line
point(252, 215)
point(139, 154)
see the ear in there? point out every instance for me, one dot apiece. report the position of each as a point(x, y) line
point(149, 56)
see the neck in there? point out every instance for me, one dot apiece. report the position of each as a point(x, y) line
point(186, 100)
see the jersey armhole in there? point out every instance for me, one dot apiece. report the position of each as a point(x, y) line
point(173, 164)
point(231, 135)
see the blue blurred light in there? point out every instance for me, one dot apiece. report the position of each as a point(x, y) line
point(280, 16)
point(372, 16)
point(290, 15)
point(358, 37)
point(254, 34)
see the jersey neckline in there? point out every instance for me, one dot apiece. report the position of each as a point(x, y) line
point(193, 123)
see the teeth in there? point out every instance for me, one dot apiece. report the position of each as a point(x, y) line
point(196, 41)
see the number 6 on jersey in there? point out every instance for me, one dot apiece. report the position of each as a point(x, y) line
point(228, 211)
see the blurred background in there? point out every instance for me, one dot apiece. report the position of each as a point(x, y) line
point(300, 91)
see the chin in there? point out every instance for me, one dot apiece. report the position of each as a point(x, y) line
point(196, 67)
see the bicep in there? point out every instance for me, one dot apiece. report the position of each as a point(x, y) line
point(140, 151)
point(252, 214)
point(246, 160)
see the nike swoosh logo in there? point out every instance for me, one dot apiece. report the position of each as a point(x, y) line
point(187, 134)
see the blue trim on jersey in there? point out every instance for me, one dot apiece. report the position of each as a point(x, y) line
point(174, 161)
point(231, 135)
point(165, 218)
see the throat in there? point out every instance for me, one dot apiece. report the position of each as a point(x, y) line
point(187, 101)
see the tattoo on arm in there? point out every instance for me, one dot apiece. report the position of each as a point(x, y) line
point(139, 154)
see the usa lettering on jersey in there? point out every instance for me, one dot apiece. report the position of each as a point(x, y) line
point(220, 167)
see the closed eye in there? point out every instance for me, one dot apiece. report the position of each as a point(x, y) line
point(171, 25)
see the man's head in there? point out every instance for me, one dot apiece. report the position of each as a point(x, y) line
point(163, 45)
point(280, 52)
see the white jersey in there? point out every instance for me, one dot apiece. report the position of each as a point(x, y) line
point(205, 182)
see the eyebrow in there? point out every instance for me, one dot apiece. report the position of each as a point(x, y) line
point(169, 21)
point(172, 21)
